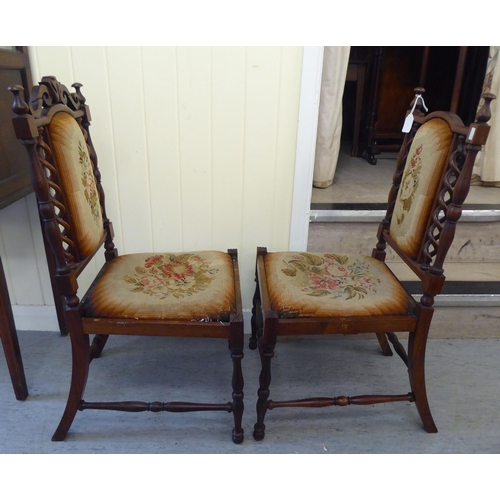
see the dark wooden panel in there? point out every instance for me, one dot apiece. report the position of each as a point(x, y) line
point(14, 167)
point(451, 76)
point(15, 183)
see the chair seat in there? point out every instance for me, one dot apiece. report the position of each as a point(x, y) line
point(176, 286)
point(332, 285)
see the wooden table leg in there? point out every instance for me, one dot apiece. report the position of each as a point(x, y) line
point(10, 342)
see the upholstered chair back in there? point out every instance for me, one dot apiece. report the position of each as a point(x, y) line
point(422, 176)
point(76, 175)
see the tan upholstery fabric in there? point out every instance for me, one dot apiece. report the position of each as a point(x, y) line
point(424, 167)
point(331, 285)
point(164, 286)
point(77, 177)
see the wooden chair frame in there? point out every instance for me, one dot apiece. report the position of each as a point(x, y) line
point(65, 265)
point(268, 325)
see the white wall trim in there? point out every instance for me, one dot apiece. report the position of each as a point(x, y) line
point(312, 66)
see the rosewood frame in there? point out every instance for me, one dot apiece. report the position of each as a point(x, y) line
point(267, 325)
point(66, 264)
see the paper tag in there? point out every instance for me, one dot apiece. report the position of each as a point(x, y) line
point(409, 119)
point(408, 123)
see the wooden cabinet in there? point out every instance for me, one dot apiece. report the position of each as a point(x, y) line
point(14, 167)
point(451, 76)
point(15, 183)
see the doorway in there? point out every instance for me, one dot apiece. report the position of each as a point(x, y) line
point(379, 87)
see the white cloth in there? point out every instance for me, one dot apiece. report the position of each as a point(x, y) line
point(487, 164)
point(335, 63)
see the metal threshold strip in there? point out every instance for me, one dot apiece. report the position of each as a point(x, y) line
point(375, 212)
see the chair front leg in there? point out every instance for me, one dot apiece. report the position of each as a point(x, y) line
point(80, 349)
point(236, 347)
point(256, 321)
point(417, 343)
point(267, 344)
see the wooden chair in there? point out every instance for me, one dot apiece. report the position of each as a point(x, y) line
point(188, 294)
point(300, 293)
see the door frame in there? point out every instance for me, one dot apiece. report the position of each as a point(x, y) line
point(312, 67)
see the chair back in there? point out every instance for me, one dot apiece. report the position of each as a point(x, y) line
point(54, 127)
point(431, 183)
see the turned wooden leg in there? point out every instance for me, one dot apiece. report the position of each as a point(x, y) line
point(384, 344)
point(266, 347)
point(256, 321)
point(416, 368)
point(10, 342)
point(236, 348)
point(80, 348)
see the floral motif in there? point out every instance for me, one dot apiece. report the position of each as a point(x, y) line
point(88, 181)
point(409, 184)
point(175, 275)
point(331, 275)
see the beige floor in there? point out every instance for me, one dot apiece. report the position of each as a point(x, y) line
point(356, 181)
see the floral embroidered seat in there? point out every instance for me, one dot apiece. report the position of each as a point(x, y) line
point(189, 286)
point(186, 294)
point(303, 293)
point(331, 285)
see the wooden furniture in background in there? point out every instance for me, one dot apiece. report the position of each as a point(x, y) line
point(452, 76)
point(356, 72)
point(188, 294)
point(301, 293)
point(15, 183)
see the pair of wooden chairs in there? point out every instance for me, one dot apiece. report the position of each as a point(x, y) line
point(197, 294)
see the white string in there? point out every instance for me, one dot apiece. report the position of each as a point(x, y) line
point(419, 96)
point(409, 119)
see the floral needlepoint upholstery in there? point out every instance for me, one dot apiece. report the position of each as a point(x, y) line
point(195, 286)
point(421, 176)
point(77, 177)
point(332, 285)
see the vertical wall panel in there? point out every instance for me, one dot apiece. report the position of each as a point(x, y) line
point(41, 261)
point(194, 94)
point(5, 262)
point(20, 255)
point(228, 119)
point(54, 61)
point(161, 105)
point(261, 115)
point(288, 110)
point(129, 136)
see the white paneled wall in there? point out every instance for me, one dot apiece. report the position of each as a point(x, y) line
point(196, 147)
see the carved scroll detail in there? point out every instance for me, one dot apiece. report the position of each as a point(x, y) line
point(49, 93)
